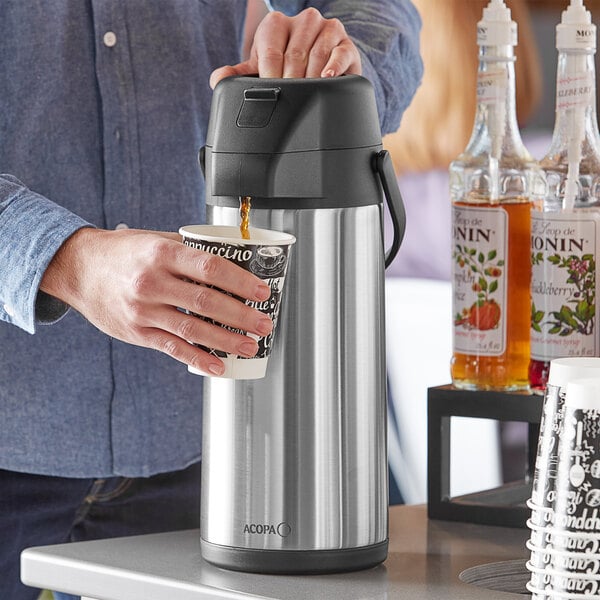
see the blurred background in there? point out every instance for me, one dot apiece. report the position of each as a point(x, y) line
point(434, 130)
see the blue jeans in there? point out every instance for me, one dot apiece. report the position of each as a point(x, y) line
point(37, 510)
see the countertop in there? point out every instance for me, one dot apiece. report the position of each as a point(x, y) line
point(425, 560)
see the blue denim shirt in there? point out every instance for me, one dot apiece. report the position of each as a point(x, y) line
point(104, 130)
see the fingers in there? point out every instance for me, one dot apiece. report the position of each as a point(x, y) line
point(176, 331)
point(177, 348)
point(328, 40)
point(344, 58)
point(173, 332)
point(245, 68)
point(210, 269)
point(197, 331)
point(213, 304)
point(305, 45)
point(269, 45)
point(198, 286)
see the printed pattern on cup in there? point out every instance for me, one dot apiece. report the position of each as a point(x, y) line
point(269, 263)
point(548, 558)
point(577, 507)
point(549, 538)
point(565, 504)
point(555, 582)
point(550, 594)
point(547, 450)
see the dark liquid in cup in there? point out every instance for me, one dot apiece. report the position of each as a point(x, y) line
point(245, 217)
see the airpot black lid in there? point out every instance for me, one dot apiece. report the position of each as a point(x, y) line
point(258, 115)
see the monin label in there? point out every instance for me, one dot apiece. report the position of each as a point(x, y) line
point(479, 272)
point(563, 285)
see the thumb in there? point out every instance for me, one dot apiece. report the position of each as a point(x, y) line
point(247, 67)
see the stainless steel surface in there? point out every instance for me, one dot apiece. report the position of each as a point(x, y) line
point(424, 563)
point(297, 460)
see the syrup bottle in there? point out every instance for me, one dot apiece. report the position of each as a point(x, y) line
point(565, 222)
point(490, 187)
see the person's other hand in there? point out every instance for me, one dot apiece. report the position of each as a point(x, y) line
point(305, 45)
point(131, 283)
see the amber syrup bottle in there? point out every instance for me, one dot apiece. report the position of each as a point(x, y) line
point(490, 187)
point(565, 223)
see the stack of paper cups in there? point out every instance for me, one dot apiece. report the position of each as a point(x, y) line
point(562, 370)
point(565, 518)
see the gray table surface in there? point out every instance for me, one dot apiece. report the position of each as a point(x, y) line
point(424, 563)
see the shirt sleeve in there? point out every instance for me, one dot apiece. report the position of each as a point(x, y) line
point(386, 33)
point(32, 228)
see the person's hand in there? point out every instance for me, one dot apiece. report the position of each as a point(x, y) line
point(130, 284)
point(305, 45)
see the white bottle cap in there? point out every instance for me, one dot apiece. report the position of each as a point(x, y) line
point(583, 394)
point(563, 370)
point(496, 28)
point(576, 30)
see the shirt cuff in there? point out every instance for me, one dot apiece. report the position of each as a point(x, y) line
point(32, 229)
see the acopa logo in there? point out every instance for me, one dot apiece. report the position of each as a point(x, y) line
point(282, 529)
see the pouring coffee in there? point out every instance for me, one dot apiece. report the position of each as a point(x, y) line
point(245, 204)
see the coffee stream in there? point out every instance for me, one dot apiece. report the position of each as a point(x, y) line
point(245, 217)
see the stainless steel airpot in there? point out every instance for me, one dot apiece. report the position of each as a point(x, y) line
point(294, 466)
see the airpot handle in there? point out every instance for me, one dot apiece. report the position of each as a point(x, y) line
point(385, 170)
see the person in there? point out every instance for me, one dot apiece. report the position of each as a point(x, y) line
point(104, 106)
point(437, 125)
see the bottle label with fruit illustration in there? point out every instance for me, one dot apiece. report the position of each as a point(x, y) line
point(480, 238)
point(563, 284)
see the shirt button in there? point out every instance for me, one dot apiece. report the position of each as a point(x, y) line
point(121, 226)
point(9, 310)
point(109, 39)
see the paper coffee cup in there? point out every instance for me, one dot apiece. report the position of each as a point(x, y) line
point(539, 592)
point(569, 549)
point(577, 505)
point(562, 371)
point(578, 564)
point(581, 541)
point(266, 255)
point(565, 581)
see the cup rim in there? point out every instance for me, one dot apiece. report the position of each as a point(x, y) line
point(559, 594)
point(533, 506)
point(586, 535)
point(231, 233)
point(571, 367)
point(581, 393)
point(560, 573)
point(558, 552)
